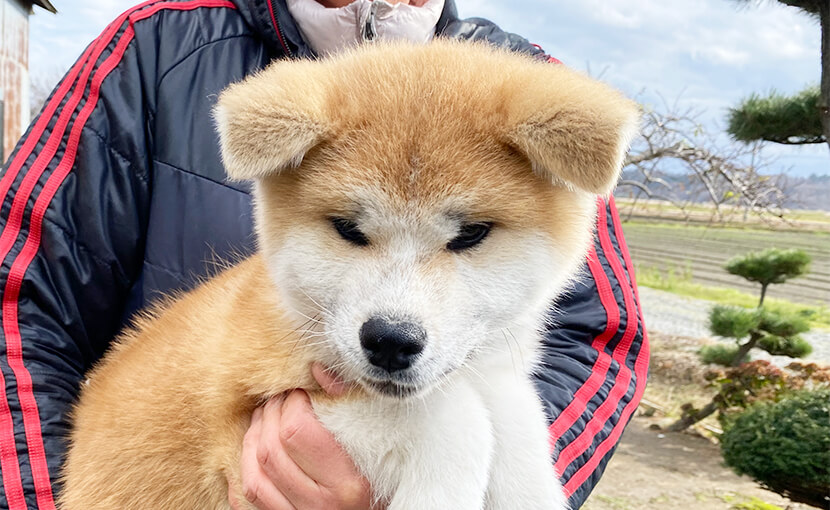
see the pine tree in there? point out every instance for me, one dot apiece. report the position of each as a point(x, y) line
point(771, 266)
point(772, 332)
point(799, 119)
point(776, 333)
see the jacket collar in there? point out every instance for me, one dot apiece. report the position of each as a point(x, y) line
point(273, 23)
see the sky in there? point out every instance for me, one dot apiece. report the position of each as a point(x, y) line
point(702, 54)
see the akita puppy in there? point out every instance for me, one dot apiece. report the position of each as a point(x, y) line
point(416, 207)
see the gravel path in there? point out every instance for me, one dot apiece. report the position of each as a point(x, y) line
point(671, 314)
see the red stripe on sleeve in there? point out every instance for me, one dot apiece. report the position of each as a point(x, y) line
point(12, 480)
point(582, 474)
point(624, 249)
point(9, 463)
point(621, 382)
point(586, 392)
point(640, 372)
point(14, 352)
point(14, 346)
point(12, 483)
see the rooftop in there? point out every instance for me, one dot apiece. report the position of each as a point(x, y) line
point(46, 4)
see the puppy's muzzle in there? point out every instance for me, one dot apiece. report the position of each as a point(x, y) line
point(392, 345)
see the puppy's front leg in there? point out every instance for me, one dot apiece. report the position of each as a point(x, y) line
point(448, 460)
point(522, 474)
point(429, 453)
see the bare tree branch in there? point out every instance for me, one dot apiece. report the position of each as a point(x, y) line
point(676, 161)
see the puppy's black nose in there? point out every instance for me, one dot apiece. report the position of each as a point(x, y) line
point(392, 346)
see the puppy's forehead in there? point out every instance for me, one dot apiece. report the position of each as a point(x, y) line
point(422, 170)
point(471, 176)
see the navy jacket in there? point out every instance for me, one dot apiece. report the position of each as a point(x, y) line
point(116, 194)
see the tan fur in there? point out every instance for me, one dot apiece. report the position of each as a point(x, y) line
point(160, 423)
point(573, 129)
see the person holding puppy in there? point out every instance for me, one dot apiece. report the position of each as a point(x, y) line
point(105, 208)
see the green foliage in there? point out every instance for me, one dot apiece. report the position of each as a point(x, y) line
point(785, 445)
point(809, 6)
point(720, 354)
point(778, 118)
point(793, 346)
point(755, 504)
point(733, 322)
point(770, 266)
point(760, 381)
point(776, 333)
point(781, 324)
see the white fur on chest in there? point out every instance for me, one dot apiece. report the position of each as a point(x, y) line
point(478, 441)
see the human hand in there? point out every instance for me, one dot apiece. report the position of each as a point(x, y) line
point(291, 462)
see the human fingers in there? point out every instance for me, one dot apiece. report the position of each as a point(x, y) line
point(233, 498)
point(257, 487)
point(300, 489)
point(318, 454)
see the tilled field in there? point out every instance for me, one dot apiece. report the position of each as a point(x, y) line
point(704, 250)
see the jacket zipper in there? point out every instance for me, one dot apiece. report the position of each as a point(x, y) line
point(278, 30)
point(370, 32)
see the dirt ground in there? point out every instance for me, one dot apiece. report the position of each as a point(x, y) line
point(653, 470)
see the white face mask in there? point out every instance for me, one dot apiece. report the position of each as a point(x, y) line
point(330, 29)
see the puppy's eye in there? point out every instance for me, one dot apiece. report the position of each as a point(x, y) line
point(471, 234)
point(349, 231)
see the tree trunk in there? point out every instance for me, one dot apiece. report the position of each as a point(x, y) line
point(824, 100)
point(745, 348)
point(763, 294)
point(690, 419)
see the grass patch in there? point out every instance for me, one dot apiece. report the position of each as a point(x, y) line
point(679, 281)
point(750, 228)
point(755, 504)
point(615, 503)
point(706, 213)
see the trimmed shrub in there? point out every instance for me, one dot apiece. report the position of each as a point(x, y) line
point(794, 346)
point(780, 324)
point(770, 266)
point(732, 321)
point(720, 354)
point(785, 446)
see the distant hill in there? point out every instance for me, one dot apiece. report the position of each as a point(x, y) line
point(808, 193)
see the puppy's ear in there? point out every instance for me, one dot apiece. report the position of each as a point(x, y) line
point(269, 122)
point(574, 130)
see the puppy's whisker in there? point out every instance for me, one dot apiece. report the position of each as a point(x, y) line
point(315, 320)
point(301, 338)
point(519, 347)
point(510, 349)
point(479, 375)
point(289, 333)
point(318, 305)
point(311, 345)
point(312, 333)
